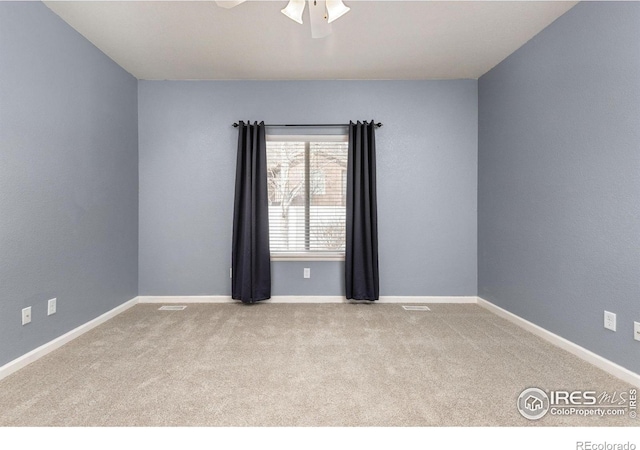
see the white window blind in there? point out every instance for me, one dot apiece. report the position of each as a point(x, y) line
point(307, 195)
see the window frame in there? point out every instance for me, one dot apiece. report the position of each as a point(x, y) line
point(307, 255)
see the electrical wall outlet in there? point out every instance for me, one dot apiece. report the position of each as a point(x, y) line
point(610, 321)
point(26, 315)
point(636, 331)
point(307, 272)
point(230, 272)
point(51, 306)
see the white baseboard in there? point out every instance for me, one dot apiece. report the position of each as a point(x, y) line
point(185, 299)
point(305, 299)
point(302, 299)
point(33, 355)
point(581, 352)
point(434, 299)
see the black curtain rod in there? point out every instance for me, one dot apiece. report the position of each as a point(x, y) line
point(310, 125)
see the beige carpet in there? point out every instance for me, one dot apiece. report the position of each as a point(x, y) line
point(298, 365)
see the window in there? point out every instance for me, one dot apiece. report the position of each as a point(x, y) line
point(306, 178)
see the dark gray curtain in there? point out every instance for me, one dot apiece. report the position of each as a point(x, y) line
point(250, 259)
point(361, 252)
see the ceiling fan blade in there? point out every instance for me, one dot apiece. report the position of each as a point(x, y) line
point(320, 27)
point(227, 4)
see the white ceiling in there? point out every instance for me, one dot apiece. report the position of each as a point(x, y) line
point(184, 40)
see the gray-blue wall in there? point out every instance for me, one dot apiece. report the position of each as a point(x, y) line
point(559, 179)
point(427, 180)
point(68, 178)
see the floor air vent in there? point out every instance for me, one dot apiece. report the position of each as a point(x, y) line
point(416, 308)
point(171, 308)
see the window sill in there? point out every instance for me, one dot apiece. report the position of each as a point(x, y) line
point(307, 257)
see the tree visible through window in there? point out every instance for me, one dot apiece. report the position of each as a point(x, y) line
point(307, 194)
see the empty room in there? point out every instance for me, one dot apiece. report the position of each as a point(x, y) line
point(320, 214)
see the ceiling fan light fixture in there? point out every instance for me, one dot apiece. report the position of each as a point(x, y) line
point(228, 4)
point(294, 10)
point(336, 9)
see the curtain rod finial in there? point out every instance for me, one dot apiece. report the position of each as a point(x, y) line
point(236, 125)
